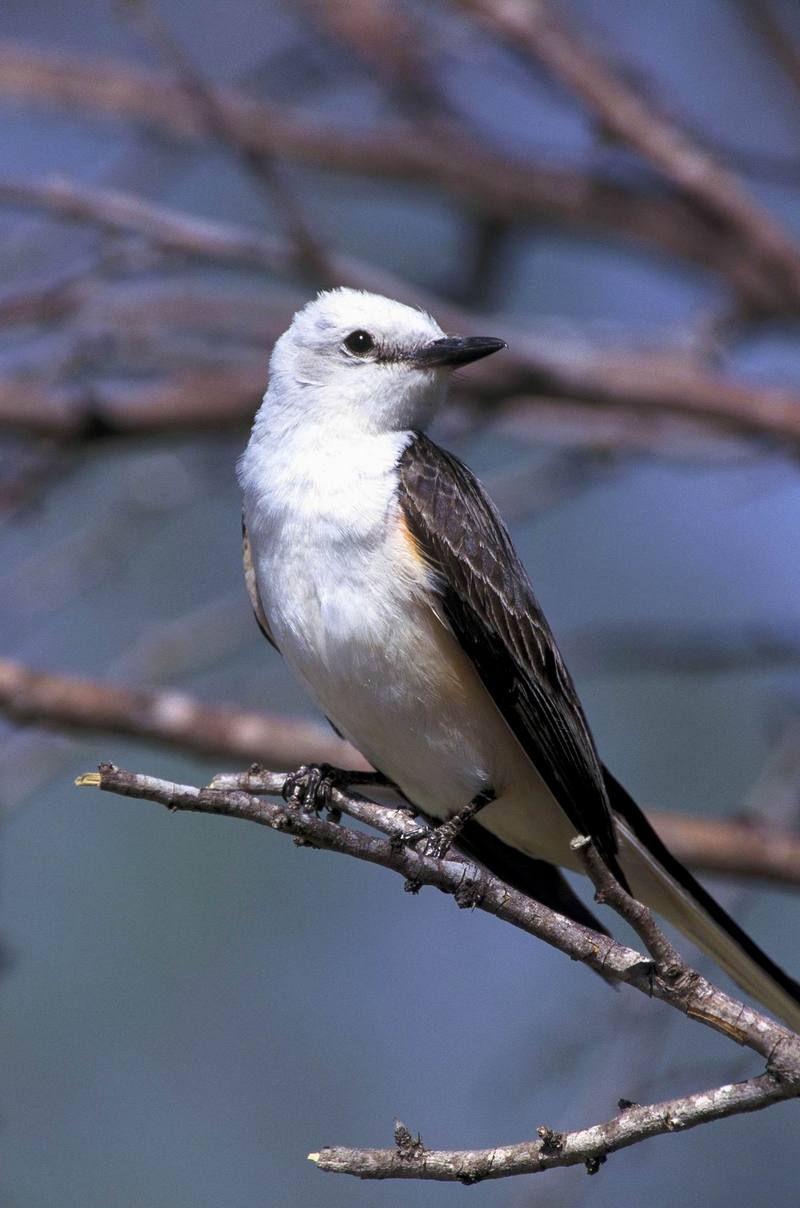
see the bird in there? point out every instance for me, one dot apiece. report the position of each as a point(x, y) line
point(380, 569)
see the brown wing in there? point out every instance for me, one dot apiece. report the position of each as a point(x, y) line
point(252, 586)
point(489, 603)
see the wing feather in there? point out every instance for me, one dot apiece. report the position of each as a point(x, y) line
point(252, 586)
point(489, 603)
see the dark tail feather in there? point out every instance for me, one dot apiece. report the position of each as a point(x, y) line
point(661, 881)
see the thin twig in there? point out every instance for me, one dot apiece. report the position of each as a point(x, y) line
point(176, 232)
point(308, 255)
point(608, 890)
point(764, 19)
point(587, 1146)
point(43, 303)
point(383, 35)
point(666, 977)
point(388, 820)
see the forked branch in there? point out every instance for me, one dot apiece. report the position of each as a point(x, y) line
point(663, 974)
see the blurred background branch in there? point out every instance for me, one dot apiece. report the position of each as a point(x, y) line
point(536, 28)
point(504, 189)
point(665, 382)
point(172, 718)
point(743, 848)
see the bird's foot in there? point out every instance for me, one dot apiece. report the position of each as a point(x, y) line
point(437, 842)
point(312, 785)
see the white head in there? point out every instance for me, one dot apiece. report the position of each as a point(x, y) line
point(354, 362)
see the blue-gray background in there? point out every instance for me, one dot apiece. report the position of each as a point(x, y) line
point(193, 1004)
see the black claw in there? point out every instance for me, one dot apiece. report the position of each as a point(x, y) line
point(407, 838)
point(439, 841)
point(292, 786)
point(434, 843)
point(441, 838)
point(306, 788)
point(312, 785)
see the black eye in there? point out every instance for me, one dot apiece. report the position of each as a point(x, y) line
point(359, 342)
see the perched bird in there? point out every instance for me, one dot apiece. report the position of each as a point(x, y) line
point(382, 572)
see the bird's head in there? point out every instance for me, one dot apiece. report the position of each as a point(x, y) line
point(361, 362)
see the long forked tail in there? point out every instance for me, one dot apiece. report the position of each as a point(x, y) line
point(660, 881)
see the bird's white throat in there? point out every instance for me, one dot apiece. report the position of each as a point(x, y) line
point(339, 482)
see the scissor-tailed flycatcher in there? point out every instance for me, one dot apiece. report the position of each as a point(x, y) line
point(382, 572)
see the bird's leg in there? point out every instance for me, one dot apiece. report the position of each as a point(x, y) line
point(437, 842)
point(441, 839)
point(310, 787)
point(357, 776)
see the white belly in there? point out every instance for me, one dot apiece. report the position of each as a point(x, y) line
point(395, 682)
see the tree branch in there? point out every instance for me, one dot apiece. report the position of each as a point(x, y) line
point(763, 18)
point(644, 383)
point(482, 180)
point(668, 962)
point(730, 848)
point(193, 399)
point(690, 992)
point(176, 719)
point(740, 849)
point(585, 1146)
point(212, 116)
point(393, 47)
point(536, 28)
point(665, 976)
point(664, 383)
point(172, 718)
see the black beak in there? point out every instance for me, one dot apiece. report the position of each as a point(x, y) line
point(455, 350)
